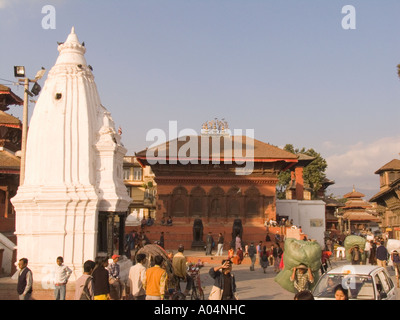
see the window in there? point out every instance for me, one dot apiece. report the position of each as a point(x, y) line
point(137, 174)
point(127, 173)
point(234, 207)
point(215, 207)
point(251, 207)
point(382, 180)
point(386, 282)
point(359, 287)
point(197, 196)
point(197, 206)
point(179, 208)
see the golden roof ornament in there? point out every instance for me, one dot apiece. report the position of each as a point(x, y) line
point(215, 128)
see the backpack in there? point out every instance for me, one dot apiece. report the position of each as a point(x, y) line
point(252, 251)
point(85, 293)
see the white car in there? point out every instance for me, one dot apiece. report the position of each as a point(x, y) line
point(364, 282)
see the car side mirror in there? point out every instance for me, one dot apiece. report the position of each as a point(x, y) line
point(382, 295)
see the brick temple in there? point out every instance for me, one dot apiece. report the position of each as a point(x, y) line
point(208, 189)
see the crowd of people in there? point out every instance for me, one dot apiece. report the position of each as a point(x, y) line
point(101, 278)
point(268, 252)
point(374, 252)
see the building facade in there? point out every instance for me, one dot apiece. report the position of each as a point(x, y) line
point(388, 198)
point(206, 188)
point(10, 144)
point(139, 181)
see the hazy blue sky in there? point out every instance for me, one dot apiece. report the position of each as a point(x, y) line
point(286, 69)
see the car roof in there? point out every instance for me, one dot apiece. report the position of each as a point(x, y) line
point(354, 269)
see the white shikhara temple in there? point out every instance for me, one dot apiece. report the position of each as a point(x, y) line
point(73, 190)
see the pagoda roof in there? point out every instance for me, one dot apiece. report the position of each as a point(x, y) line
point(304, 160)
point(263, 152)
point(7, 97)
point(9, 163)
point(357, 203)
point(354, 194)
point(327, 182)
point(331, 202)
point(392, 165)
point(360, 216)
point(7, 120)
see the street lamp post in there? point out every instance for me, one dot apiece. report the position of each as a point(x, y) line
point(24, 132)
point(19, 71)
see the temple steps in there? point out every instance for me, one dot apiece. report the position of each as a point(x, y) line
point(183, 234)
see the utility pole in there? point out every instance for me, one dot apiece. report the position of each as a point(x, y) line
point(24, 132)
point(19, 71)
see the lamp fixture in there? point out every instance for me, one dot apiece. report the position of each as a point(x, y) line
point(19, 71)
point(36, 89)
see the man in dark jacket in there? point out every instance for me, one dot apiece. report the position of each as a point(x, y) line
point(224, 282)
point(101, 285)
point(381, 255)
point(209, 244)
point(253, 255)
point(25, 280)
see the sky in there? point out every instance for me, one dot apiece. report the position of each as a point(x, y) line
point(287, 69)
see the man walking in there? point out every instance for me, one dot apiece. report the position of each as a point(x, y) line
point(101, 284)
point(356, 255)
point(179, 267)
point(220, 247)
point(302, 278)
point(381, 255)
point(61, 276)
point(84, 284)
point(252, 255)
point(396, 265)
point(25, 280)
point(209, 244)
point(367, 250)
point(156, 278)
point(137, 278)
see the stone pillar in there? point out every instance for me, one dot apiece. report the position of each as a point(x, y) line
point(187, 207)
point(110, 234)
point(227, 199)
point(121, 240)
point(208, 208)
point(299, 183)
point(244, 215)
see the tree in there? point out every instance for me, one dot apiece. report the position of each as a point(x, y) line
point(313, 175)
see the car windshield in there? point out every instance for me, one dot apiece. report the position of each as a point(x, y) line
point(359, 287)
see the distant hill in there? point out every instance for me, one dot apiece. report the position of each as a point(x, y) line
point(341, 191)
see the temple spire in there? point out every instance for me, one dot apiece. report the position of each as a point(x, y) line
point(72, 51)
